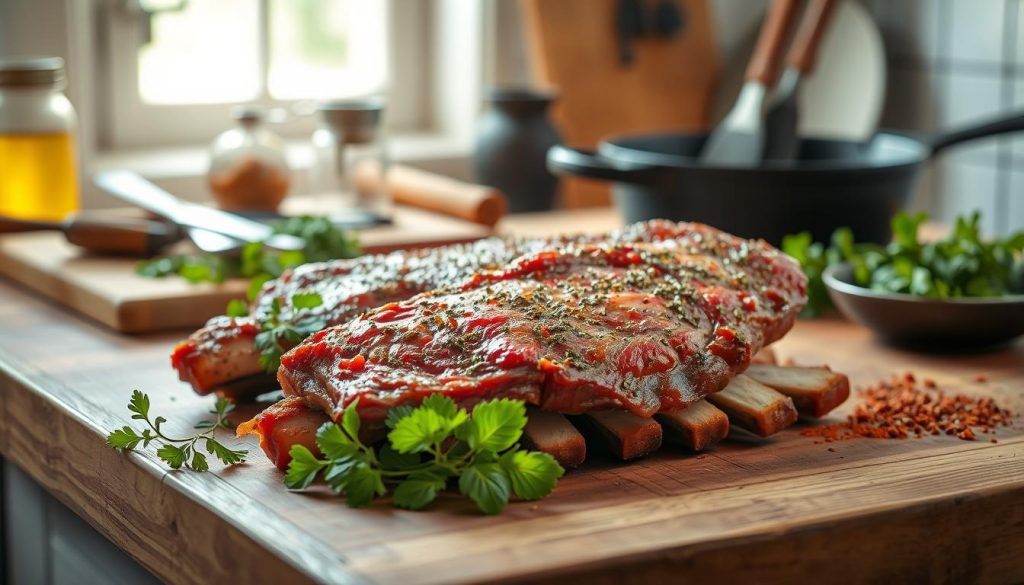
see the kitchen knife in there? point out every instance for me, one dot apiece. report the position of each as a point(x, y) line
point(131, 187)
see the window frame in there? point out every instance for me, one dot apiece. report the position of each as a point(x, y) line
point(129, 123)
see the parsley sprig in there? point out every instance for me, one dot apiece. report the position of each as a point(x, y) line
point(427, 447)
point(278, 335)
point(178, 452)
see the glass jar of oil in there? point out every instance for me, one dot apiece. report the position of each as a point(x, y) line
point(38, 176)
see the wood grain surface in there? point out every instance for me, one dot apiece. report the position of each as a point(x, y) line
point(107, 289)
point(574, 47)
point(788, 508)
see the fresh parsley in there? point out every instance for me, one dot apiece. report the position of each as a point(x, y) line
point(324, 241)
point(961, 265)
point(278, 335)
point(178, 452)
point(427, 448)
point(258, 263)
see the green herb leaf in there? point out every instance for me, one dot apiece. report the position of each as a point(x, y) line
point(495, 425)
point(486, 484)
point(396, 414)
point(173, 455)
point(533, 474)
point(303, 468)
point(393, 460)
point(139, 404)
point(306, 300)
point(418, 431)
point(237, 308)
point(334, 443)
point(420, 458)
point(124, 438)
point(441, 404)
point(419, 490)
point(199, 462)
point(350, 420)
point(177, 452)
point(226, 456)
point(362, 485)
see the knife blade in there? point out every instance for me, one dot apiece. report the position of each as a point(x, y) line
point(133, 188)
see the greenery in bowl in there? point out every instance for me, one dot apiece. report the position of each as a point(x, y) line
point(961, 265)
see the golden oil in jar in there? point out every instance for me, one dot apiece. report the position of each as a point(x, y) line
point(38, 170)
point(38, 178)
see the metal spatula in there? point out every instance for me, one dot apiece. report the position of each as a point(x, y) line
point(781, 121)
point(739, 138)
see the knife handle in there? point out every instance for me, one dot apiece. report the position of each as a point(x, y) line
point(764, 63)
point(116, 235)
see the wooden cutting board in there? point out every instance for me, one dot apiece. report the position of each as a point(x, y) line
point(788, 509)
point(573, 46)
point(108, 290)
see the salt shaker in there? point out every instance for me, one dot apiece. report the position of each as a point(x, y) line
point(349, 139)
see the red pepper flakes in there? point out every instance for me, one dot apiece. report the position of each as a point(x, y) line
point(900, 407)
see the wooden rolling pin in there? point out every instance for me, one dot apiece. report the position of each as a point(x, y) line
point(416, 188)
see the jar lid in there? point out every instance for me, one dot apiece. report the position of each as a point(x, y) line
point(29, 72)
point(247, 115)
point(352, 114)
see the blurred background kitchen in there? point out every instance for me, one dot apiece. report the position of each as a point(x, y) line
point(154, 81)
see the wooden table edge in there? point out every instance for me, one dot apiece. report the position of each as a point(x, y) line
point(291, 561)
point(297, 558)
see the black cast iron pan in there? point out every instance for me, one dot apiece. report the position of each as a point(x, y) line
point(832, 183)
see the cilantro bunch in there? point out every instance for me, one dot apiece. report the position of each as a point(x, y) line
point(960, 265)
point(428, 447)
point(178, 452)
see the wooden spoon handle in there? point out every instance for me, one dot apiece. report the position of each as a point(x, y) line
point(764, 63)
point(804, 52)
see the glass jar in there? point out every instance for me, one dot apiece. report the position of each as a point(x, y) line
point(248, 168)
point(38, 163)
point(350, 141)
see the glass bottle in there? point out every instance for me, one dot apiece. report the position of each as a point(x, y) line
point(248, 168)
point(350, 143)
point(38, 164)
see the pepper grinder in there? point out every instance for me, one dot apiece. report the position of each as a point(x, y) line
point(350, 137)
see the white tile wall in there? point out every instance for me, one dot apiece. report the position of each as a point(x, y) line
point(969, 97)
point(964, 188)
point(1015, 199)
point(976, 29)
point(910, 29)
point(954, 62)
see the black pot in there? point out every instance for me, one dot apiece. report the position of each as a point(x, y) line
point(513, 138)
point(832, 183)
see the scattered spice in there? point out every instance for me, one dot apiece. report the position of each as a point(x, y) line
point(981, 378)
point(900, 407)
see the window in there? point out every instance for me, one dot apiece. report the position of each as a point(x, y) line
point(174, 68)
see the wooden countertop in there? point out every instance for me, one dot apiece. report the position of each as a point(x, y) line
point(926, 509)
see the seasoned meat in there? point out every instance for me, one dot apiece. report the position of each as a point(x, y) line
point(222, 357)
point(645, 326)
point(223, 352)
